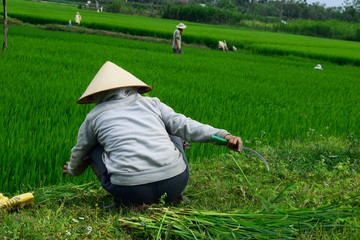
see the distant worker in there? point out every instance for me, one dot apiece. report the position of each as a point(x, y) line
point(78, 18)
point(223, 45)
point(70, 22)
point(177, 38)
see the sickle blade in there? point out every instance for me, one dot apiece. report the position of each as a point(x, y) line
point(257, 154)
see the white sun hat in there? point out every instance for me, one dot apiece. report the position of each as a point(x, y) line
point(109, 77)
point(181, 26)
point(318, 67)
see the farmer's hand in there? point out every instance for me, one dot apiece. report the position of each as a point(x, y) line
point(235, 143)
point(66, 171)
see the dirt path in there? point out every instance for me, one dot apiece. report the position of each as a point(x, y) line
point(84, 30)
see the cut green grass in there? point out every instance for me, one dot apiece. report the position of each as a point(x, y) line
point(324, 203)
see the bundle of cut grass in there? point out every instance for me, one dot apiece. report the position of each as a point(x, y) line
point(176, 223)
point(66, 191)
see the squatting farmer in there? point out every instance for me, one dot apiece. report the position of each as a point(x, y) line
point(135, 144)
point(176, 46)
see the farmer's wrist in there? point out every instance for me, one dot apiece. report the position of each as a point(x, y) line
point(228, 136)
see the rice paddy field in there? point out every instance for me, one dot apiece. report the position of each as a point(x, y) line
point(44, 73)
point(267, 99)
point(266, 43)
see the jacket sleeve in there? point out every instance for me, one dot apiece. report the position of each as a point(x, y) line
point(86, 140)
point(186, 128)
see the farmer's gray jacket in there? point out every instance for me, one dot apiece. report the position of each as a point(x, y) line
point(135, 135)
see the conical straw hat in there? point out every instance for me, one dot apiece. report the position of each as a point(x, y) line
point(109, 77)
point(181, 26)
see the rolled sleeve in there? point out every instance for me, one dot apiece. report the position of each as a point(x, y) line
point(186, 128)
point(86, 140)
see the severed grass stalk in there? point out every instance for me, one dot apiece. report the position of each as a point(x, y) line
point(162, 221)
point(194, 224)
point(64, 191)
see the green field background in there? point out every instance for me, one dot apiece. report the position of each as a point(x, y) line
point(43, 73)
point(266, 43)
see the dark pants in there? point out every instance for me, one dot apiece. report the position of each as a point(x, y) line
point(147, 193)
point(178, 51)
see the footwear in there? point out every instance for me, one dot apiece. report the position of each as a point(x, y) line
point(112, 206)
point(182, 200)
point(115, 205)
point(108, 207)
point(185, 200)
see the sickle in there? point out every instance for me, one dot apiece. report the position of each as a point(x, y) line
point(222, 141)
